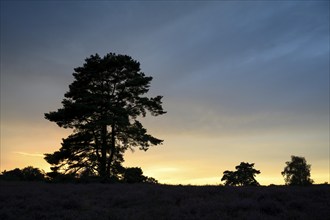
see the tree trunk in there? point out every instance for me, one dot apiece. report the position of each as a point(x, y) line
point(112, 149)
point(103, 162)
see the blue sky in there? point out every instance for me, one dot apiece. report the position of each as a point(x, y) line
point(241, 80)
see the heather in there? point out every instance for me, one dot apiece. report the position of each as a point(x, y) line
point(40, 200)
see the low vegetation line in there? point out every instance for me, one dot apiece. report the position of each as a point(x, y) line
point(40, 200)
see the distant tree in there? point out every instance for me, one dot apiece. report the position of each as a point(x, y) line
point(151, 180)
point(243, 176)
point(297, 172)
point(102, 107)
point(28, 174)
point(15, 174)
point(133, 175)
point(33, 174)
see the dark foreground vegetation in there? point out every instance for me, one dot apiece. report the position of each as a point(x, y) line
point(40, 200)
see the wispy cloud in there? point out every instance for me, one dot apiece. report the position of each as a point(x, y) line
point(29, 154)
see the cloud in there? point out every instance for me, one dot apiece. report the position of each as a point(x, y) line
point(29, 154)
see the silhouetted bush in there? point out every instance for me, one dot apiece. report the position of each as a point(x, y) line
point(151, 180)
point(26, 174)
point(33, 174)
point(60, 177)
point(15, 174)
point(128, 175)
point(133, 175)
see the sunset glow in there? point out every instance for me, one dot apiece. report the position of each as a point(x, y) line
point(242, 81)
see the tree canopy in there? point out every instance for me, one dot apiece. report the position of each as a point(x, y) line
point(297, 172)
point(102, 106)
point(243, 176)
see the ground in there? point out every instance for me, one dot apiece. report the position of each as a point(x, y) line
point(38, 200)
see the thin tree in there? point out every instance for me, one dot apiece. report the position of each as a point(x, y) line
point(102, 107)
point(297, 172)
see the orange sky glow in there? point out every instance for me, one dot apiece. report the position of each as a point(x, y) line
point(243, 81)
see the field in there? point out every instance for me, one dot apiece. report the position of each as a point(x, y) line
point(37, 200)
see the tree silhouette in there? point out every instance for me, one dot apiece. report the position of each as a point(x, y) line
point(230, 178)
point(297, 172)
point(15, 174)
point(134, 175)
point(33, 174)
point(102, 107)
point(26, 174)
point(243, 176)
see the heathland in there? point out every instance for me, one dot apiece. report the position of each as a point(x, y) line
point(40, 200)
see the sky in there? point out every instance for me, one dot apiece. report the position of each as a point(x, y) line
point(243, 81)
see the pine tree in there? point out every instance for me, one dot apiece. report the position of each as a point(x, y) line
point(102, 107)
point(243, 176)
